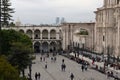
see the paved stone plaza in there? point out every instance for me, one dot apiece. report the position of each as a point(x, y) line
point(53, 72)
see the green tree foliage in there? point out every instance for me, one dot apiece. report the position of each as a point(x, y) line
point(6, 12)
point(20, 56)
point(11, 36)
point(17, 47)
point(83, 32)
point(12, 24)
point(7, 72)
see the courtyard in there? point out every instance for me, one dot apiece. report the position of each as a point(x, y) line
point(53, 71)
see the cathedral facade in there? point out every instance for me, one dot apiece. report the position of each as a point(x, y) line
point(107, 28)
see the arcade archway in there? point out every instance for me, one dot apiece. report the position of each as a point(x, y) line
point(22, 31)
point(37, 47)
point(53, 46)
point(29, 33)
point(45, 47)
point(45, 34)
point(52, 34)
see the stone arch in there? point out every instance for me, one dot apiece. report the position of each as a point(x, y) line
point(37, 47)
point(45, 34)
point(53, 46)
point(59, 46)
point(37, 34)
point(29, 33)
point(45, 47)
point(52, 34)
point(21, 30)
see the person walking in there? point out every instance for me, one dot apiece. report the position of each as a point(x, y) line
point(108, 74)
point(39, 75)
point(64, 67)
point(63, 60)
point(71, 76)
point(46, 65)
point(54, 59)
point(41, 58)
point(36, 75)
point(82, 67)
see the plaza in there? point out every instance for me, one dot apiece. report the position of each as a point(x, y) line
point(53, 72)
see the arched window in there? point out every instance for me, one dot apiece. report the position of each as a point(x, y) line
point(52, 34)
point(37, 34)
point(29, 33)
point(45, 34)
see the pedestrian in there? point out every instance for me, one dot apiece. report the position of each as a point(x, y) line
point(41, 58)
point(46, 65)
point(82, 67)
point(51, 59)
point(71, 76)
point(36, 75)
point(39, 75)
point(54, 59)
point(108, 74)
point(63, 60)
point(64, 67)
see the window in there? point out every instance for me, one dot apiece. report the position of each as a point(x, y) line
point(103, 38)
point(36, 36)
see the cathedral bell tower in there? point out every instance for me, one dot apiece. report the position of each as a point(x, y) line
point(111, 3)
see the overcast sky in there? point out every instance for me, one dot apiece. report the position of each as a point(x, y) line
point(45, 11)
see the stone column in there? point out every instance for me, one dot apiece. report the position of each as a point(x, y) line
point(118, 34)
point(41, 35)
point(48, 35)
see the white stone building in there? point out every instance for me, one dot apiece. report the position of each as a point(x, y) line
point(103, 36)
point(46, 38)
point(107, 28)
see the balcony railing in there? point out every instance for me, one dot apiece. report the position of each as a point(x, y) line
point(36, 37)
point(52, 37)
point(44, 37)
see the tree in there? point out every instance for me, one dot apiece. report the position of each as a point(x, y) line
point(17, 47)
point(6, 12)
point(20, 56)
point(7, 71)
point(12, 24)
point(10, 36)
